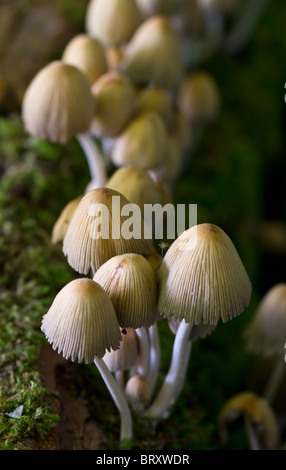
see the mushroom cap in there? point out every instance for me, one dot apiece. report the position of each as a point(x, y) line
point(154, 54)
point(198, 331)
point(266, 334)
point(62, 223)
point(50, 108)
point(81, 322)
point(115, 103)
point(143, 143)
point(113, 22)
point(136, 185)
point(158, 100)
point(138, 389)
point(198, 97)
point(88, 55)
point(130, 282)
point(126, 356)
point(94, 234)
point(257, 411)
point(202, 278)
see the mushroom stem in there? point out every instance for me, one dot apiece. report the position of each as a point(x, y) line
point(251, 434)
point(143, 364)
point(119, 399)
point(119, 375)
point(175, 377)
point(154, 355)
point(245, 26)
point(94, 159)
point(275, 380)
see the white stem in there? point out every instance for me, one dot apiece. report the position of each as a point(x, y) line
point(176, 375)
point(275, 380)
point(94, 159)
point(251, 434)
point(119, 399)
point(143, 364)
point(245, 26)
point(154, 355)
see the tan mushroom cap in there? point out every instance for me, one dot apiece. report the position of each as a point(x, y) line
point(126, 356)
point(154, 54)
point(266, 334)
point(255, 409)
point(81, 322)
point(136, 185)
point(115, 104)
point(50, 108)
point(143, 143)
point(113, 22)
point(198, 97)
point(158, 100)
point(202, 278)
point(62, 223)
point(88, 55)
point(138, 390)
point(130, 282)
point(96, 231)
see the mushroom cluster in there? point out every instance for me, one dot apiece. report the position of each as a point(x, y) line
point(132, 90)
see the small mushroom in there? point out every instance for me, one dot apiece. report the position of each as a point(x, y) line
point(112, 22)
point(143, 143)
point(87, 54)
point(81, 324)
point(130, 282)
point(63, 221)
point(95, 233)
point(259, 419)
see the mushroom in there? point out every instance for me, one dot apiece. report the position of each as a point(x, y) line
point(136, 185)
point(130, 282)
point(154, 54)
point(143, 143)
point(50, 110)
point(98, 231)
point(81, 324)
point(201, 280)
point(115, 103)
point(266, 334)
point(158, 100)
point(87, 54)
point(138, 392)
point(112, 22)
point(259, 419)
point(62, 223)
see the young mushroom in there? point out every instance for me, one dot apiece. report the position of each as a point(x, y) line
point(265, 336)
point(201, 280)
point(87, 54)
point(112, 22)
point(97, 229)
point(260, 421)
point(50, 110)
point(81, 324)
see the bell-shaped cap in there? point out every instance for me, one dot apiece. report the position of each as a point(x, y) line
point(257, 415)
point(98, 231)
point(202, 278)
point(87, 54)
point(130, 282)
point(81, 322)
point(50, 108)
point(138, 390)
point(266, 334)
point(126, 356)
point(154, 54)
point(136, 185)
point(115, 103)
point(62, 223)
point(199, 97)
point(157, 100)
point(143, 143)
point(113, 22)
